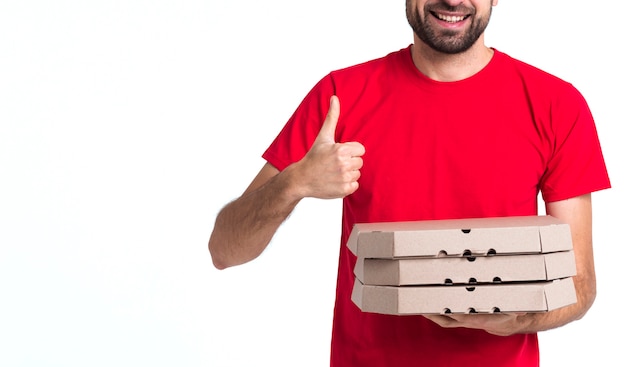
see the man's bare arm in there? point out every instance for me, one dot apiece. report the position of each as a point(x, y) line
point(577, 213)
point(244, 227)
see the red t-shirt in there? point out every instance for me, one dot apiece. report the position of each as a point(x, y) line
point(481, 147)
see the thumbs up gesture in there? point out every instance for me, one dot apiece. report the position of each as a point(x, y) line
point(330, 170)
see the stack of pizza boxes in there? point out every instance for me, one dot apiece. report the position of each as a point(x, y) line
point(479, 265)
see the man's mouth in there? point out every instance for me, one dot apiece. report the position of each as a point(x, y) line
point(450, 18)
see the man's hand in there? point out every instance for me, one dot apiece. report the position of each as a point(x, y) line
point(502, 324)
point(329, 170)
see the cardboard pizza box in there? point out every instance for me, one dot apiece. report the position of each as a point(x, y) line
point(461, 237)
point(464, 270)
point(493, 298)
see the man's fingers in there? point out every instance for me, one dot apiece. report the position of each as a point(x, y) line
point(355, 149)
point(327, 132)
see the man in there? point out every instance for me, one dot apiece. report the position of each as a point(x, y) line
point(445, 128)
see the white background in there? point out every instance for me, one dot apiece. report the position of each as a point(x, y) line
point(126, 125)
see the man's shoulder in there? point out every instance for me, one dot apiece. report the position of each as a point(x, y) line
point(371, 67)
point(540, 86)
point(529, 71)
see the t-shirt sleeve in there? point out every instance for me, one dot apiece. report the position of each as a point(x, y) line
point(300, 131)
point(577, 165)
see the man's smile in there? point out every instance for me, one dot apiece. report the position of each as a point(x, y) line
point(450, 18)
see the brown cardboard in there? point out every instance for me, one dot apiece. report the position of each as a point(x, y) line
point(456, 237)
point(414, 300)
point(462, 270)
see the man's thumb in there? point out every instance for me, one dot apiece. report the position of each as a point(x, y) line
point(327, 132)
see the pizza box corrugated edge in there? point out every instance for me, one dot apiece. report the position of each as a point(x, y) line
point(481, 299)
point(460, 237)
point(460, 270)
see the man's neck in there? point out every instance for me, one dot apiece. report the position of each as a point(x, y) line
point(449, 68)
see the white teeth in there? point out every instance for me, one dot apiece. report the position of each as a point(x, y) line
point(450, 18)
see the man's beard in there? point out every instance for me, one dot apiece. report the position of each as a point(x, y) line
point(449, 42)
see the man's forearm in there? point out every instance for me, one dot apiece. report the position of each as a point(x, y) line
point(244, 227)
point(329, 170)
point(576, 212)
point(585, 293)
point(524, 323)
